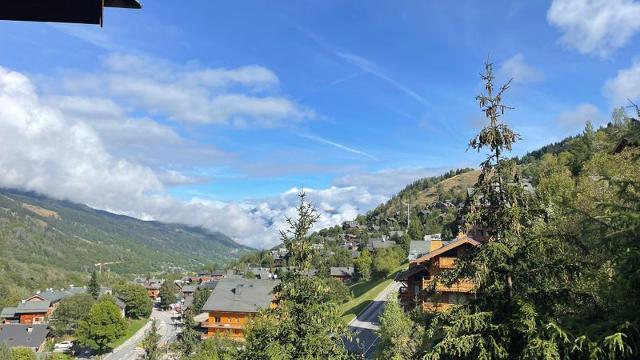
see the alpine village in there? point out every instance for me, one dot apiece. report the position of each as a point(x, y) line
point(534, 256)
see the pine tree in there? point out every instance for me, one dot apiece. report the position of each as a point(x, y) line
point(306, 323)
point(151, 343)
point(295, 238)
point(189, 337)
point(498, 324)
point(93, 288)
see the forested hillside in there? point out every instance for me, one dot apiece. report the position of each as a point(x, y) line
point(47, 243)
point(558, 275)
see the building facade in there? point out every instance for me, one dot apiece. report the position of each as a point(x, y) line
point(420, 286)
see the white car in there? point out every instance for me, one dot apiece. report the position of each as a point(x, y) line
point(63, 346)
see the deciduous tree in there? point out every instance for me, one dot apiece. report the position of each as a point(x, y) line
point(138, 304)
point(101, 327)
point(69, 313)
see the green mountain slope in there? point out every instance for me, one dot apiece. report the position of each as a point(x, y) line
point(46, 242)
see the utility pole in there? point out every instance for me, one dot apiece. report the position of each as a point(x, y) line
point(408, 215)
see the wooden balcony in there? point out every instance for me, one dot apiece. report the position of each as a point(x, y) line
point(220, 325)
point(446, 262)
point(436, 306)
point(462, 286)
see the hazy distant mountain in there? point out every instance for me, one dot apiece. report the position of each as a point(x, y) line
point(44, 241)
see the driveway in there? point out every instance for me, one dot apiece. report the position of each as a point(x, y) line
point(365, 325)
point(167, 328)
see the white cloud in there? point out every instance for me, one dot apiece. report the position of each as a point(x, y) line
point(625, 86)
point(387, 182)
point(48, 150)
point(595, 26)
point(576, 118)
point(210, 95)
point(140, 139)
point(517, 69)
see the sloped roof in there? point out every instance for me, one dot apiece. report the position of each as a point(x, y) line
point(189, 288)
point(461, 240)
point(33, 307)
point(19, 335)
point(8, 312)
point(379, 243)
point(418, 248)
point(240, 295)
point(341, 271)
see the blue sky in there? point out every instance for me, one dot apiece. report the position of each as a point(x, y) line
point(235, 103)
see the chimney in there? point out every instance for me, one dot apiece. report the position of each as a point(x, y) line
point(29, 329)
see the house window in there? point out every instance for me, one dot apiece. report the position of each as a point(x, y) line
point(458, 299)
point(217, 319)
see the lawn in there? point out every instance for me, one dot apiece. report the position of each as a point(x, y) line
point(134, 326)
point(364, 292)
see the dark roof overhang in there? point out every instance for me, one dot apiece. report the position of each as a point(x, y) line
point(67, 11)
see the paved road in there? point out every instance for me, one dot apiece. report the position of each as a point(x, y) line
point(364, 326)
point(166, 328)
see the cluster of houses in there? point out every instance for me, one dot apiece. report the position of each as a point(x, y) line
point(234, 299)
point(26, 324)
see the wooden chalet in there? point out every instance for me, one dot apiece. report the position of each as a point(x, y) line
point(233, 303)
point(342, 273)
point(419, 281)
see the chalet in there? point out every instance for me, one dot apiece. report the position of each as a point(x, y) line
point(188, 290)
point(350, 225)
point(232, 304)
point(32, 336)
point(153, 287)
point(37, 307)
point(379, 243)
point(344, 274)
point(419, 286)
point(32, 311)
point(349, 237)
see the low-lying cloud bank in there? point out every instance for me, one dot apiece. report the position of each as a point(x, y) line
point(50, 147)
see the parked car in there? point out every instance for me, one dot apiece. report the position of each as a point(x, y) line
point(63, 346)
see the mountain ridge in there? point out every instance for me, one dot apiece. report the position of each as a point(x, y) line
point(46, 242)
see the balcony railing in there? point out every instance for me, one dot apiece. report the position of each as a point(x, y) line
point(462, 286)
point(220, 325)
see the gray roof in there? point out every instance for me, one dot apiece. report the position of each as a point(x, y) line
point(33, 307)
point(208, 285)
point(189, 288)
point(16, 335)
point(418, 248)
point(341, 271)
point(240, 295)
point(54, 296)
point(379, 243)
point(8, 312)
